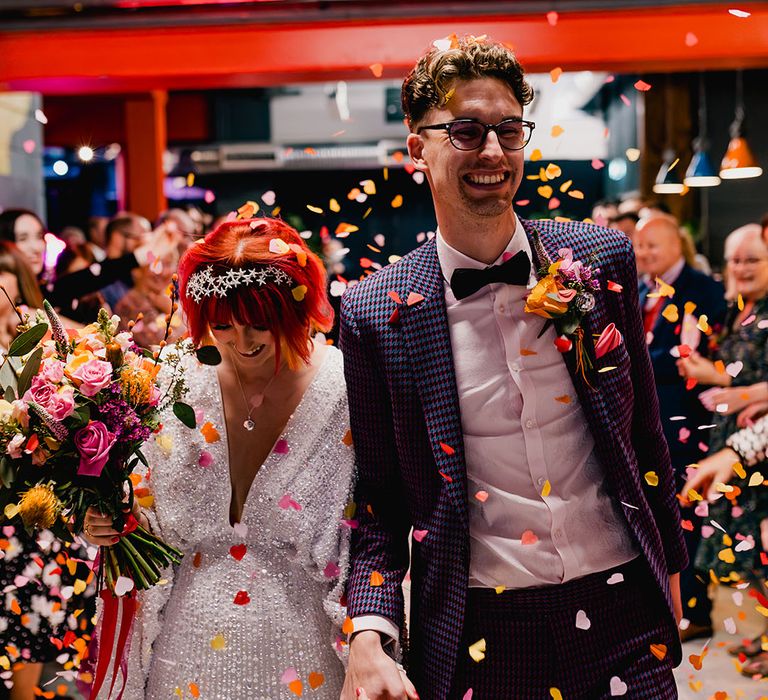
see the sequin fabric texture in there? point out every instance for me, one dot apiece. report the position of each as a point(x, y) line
point(252, 612)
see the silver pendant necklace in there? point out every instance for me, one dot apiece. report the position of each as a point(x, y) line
point(255, 402)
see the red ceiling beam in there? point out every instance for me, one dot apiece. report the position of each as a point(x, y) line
point(131, 60)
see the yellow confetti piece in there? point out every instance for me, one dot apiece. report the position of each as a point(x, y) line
point(727, 541)
point(79, 586)
point(448, 95)
point(726, 555)
point(652, 478)
point(692, 602)
point(500, 589)
point(11, 510)
point(369, 186)
point(736, 466)
point(689, 307)
point(553, 171)
point(555, 694)
point(543, 175)
point(315, 210)
point(556, 131)
point(763, 611)
point(397, 202)
point(671, 313)
point(178, 692)
point(555, 74)
point(146, 501)
point(662, 289)
point(334, 206)
point(740, 302)
point(702, 325)
point(385, 173)
point(756, 479)
point(71, 566)
point(723, 488)
point(276, 211)
point(545, 191)
point(477, 650)
point(693, 495)
point(696, 686)
point(5, 663)
point(576, 194)
point(299, 292)
point(564, 187)
point(606, 369)
point(344, 229)
point(546, 489)
point(218, 642)
point(535, 155)
point(367, 212)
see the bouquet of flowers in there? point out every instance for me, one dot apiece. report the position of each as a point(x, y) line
point(77, 407)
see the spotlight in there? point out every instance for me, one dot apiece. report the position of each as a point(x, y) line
point(60, 167)
point(85, 154)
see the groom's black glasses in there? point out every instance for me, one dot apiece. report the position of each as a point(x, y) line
point(470, 134)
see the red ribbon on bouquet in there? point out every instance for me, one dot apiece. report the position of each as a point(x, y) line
point(104, 640)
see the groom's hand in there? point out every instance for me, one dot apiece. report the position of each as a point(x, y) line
point(372, 674)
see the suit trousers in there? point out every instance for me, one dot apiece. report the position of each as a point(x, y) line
point(589, 638)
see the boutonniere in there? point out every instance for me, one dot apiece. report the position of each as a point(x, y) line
point(564, 295)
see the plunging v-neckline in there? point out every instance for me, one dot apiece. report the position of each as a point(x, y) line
point(300, 407)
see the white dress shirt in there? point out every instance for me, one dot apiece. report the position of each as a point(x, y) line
point(523, 429)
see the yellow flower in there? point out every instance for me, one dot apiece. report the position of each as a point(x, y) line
point(39, 507)
point(540, 303)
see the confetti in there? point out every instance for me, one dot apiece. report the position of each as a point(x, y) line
point(556, 131)
point(659, 651)
point(482, 496)
point(582, 621)
point(477, 650)
point(344, 229)
point(756, 479)
point(555, 74)
point(194, 690)
point(242, 598)
point(419, 535)
point(296, 687)
point(299, 292)
point(671, 313)
point(555, 694)
point(563, 399)
point(614, 287)
point(613, 579)
point(376, 579)
point(545, 490)
point(238, 551)
point(348, 627)
point(397, 201)
point(597, 164)
point(545, 191)
point(378, 70)
point(287, 502)
point(642, 86)
point(726, 555)
point(447, 449)
point(528, 537)
point(218, 642)
point(691, 39)
point(618, 686)
point(741, 14)
point(535, 155)
point(123, 585)
point(525, 352)
point(552, 18)
point(625, 100)
point(414, 298)
point(651, 478)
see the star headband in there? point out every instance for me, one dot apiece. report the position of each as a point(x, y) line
point(205, 283)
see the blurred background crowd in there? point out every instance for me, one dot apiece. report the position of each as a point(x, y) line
point(139, 120)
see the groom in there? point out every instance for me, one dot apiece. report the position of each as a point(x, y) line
point(538, 493)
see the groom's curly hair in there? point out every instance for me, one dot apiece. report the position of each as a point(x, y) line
point(430, 81)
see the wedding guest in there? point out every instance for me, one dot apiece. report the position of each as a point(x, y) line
point(604, 211)
point(125, 233)
point(540, 498)
point(626, 223)
point(255, 495)
point(96, 234)
point(659, 247)
point(744, 342)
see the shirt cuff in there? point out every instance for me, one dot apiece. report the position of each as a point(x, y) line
point(390, 632)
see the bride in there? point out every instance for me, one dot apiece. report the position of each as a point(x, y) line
point(254, 495)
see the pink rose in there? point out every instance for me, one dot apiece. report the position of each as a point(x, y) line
point(40, 391)
point(93, 376)
point(52, 370)
point(93, 442)
point(59, 403)
point(154, 395)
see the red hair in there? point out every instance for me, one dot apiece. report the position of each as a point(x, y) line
point(273, 306)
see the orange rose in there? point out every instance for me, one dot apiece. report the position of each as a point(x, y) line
point(543, 300)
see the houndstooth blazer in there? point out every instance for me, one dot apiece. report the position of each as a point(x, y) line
point(406, 426)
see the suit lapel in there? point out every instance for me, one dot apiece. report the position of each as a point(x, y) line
point(428, 344)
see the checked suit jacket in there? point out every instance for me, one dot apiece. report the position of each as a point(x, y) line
point(411, 472)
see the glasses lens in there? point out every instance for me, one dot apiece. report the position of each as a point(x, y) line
point(466, 135)
point(513, 134)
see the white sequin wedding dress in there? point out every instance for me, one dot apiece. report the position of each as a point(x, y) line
point(248, 614)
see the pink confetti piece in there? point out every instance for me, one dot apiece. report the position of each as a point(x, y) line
point(29, 146)
point(523, 202)
point(419, 535)
point(625, 100)
point(331, 570)
point(289, 675)
point(553, 203)
point(206, 459)
point(268, 198)
point(209, 197)
point(552, 18)
point(691, 39)
point(287, 502)
point(281, 447)
point(642, 86)
point(597, 164)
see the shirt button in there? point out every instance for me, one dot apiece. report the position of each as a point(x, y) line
point(530, 423)
point(501, 308)
point(540, 481)
point(558, 534)
point(515, 367)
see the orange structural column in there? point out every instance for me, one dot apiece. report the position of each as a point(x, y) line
point(145, 143)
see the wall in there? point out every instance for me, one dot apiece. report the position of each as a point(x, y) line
point(21, 173)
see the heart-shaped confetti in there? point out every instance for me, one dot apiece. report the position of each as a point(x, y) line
point(242, 598)
point(555, 694)
point(659, 651)
point(482, 496)
point(618, 687)
point(238, 551)
point(281, 447)
point(123, 585)
point(477, 650)
point(582, 621)
point(545, 191)
point(528, 538)
point(278, 246)
point(419, 535)
point(613, 579)
point(315, 680)
point(652, 478)
point(734, 368)
point(296, 687)
point(331, 570)
point(268, 198)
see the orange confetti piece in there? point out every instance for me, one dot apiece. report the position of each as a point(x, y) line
point(397, 201)
point(614, 287)
point(15, 607)
point(378, 70)
point(553, 171)
point(197, 559)
point(642, 86)
point(316, 680)
point(447, 449)
point(528, 538)
point(344, 229)
point(210, 433)
point(414, 298)
point(555, 74)
point(659, 651)
point(720, 366)
point(671, 313)
point(482, 496)
point(564, 187)
point(556, 131)
point(348, 627)
point(296, 687)
point(545, 191)
point(525, 352)
point(347, 439)
point(376, 579)
point(194, 689)
point(563, 399)
point(535, 155)
point(576, 194)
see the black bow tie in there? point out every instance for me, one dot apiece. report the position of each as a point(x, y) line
point(465, 281)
